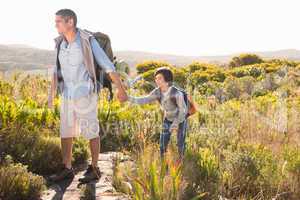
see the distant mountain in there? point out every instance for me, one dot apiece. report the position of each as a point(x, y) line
point(24, 57)
point(134, 57)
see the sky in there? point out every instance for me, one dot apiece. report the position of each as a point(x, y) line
point(179, 27)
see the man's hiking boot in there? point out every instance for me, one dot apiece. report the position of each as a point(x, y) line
point(92, 174)
point(63, 174)
point(88, 170)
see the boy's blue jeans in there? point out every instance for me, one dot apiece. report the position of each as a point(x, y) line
point(166, 135)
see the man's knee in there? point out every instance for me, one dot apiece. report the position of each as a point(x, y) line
point(92, 137)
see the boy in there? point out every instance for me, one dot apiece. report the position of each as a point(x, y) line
point(173, 105)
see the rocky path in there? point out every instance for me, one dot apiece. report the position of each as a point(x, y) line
point(101, 190)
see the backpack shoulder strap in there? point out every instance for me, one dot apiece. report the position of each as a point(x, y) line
point(157, 93)
point(174, 91)
point(173, 94)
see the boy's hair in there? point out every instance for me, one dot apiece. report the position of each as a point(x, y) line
point(166, 73)
point(67, 14)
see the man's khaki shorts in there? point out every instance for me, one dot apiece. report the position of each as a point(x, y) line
point(79, 116)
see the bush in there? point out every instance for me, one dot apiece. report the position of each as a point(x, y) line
point(149, 177)
point(251, 170)
point(41, 153)
point(201, 172)
point(150, 65)
point(203, 72)
point(16, 183)
point(34, 88)
point(13, 113)
point(292, 158)
point(197, 66)
point(6, 88)
point(245, 59)
point(249, 70)
point(233, 88)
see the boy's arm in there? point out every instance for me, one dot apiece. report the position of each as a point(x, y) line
point(105, 63)
point(182, 111)
point(143, 100)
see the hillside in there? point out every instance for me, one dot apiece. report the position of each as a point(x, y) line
point(29, 58)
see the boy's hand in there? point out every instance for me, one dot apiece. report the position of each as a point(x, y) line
point(174, 129)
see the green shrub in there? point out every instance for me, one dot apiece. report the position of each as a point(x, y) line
point(150, 65)
point(251, 170)
point(201, 172)
point(233, 88)
point(16, 183)
point(41, 153)
point(197, 66)
point(6, 89)
point(80, 151)
point(250, 70)
point(149, 177)
point(13, 113)
point(291, 156)
point(245, 59)
point(34, 87)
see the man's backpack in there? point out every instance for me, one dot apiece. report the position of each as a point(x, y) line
point(187, 99)
point(103, 79)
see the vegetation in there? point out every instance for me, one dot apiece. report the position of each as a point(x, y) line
point(242, 144)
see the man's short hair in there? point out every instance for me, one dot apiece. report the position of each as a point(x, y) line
point(165, 72)
point(68, 14)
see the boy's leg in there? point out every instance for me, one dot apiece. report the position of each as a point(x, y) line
point(165, 137)
point(181, 134)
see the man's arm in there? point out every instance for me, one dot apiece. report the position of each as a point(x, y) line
point(52, 89)
point(108, 67)
point(182, 110)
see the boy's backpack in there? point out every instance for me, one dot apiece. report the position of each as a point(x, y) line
point(187, 99)
point(103, 79)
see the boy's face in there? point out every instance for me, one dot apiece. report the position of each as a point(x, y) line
point(160, 80)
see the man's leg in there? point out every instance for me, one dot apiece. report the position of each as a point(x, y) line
point(67, 171)
point(93, 171)
point(95, 150)
point(66, 145)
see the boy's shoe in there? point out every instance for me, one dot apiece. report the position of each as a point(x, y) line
point(64, 174)
point(92, 174)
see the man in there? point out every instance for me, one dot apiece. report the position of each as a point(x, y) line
point(74, 78)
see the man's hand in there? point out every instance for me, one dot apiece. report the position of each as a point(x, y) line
point(121, 93)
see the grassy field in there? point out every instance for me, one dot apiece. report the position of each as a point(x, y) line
point(242, 144)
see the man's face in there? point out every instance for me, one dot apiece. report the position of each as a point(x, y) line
point(62, 25)
point(160, 80)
